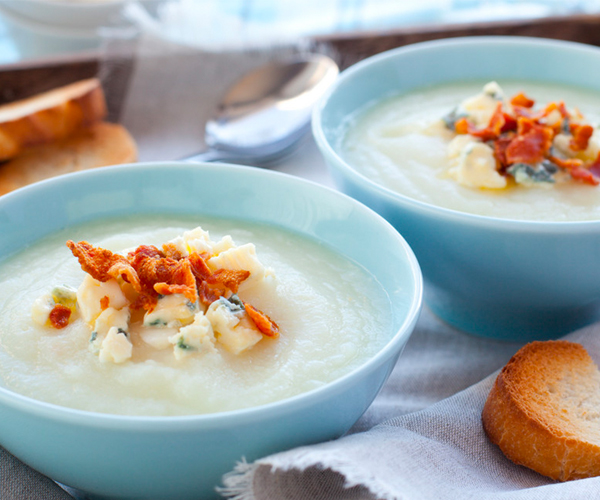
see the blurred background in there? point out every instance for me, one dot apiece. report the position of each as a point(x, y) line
point(165, 64)
point(32, 29)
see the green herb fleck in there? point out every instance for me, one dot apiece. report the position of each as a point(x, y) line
point(524, 173)
point(233, 303)
point(451, 118)
point(182, 345)
point(158, 322)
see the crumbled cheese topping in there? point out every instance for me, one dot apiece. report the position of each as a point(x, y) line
point(475, 166)
point(162, 284)
point(501, 143)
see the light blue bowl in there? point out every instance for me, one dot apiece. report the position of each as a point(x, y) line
point(109, 456)
point(506, 279)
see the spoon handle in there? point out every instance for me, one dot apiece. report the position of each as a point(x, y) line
point(211, 155)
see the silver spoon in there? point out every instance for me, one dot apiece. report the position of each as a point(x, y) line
point(265, 113)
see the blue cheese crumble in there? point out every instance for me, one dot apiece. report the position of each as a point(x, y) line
point(172, 321)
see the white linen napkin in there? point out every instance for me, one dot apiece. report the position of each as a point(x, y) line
point(437, 453)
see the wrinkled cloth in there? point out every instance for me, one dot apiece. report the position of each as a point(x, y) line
point(440, 452)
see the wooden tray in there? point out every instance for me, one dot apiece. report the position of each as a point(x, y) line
point(28, 78)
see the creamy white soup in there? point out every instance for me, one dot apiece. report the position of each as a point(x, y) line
point(409, 143)
point(331, 316)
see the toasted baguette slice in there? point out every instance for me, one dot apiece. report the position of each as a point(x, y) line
point(50, 116)
point(100, 145)
point(544, 410)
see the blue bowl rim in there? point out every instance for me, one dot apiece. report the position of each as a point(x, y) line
point(207, 421)
point(427, 209)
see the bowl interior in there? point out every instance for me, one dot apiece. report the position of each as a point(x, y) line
point(222, 191)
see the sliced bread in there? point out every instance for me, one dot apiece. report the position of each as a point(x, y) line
point(50, 116)
point(544, 410)
point(100, 145)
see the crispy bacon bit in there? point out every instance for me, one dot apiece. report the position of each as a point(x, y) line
point(522, 100)
point(581, 136)
point(59, 316)
point(211, 285)
point(531, 144)
point(594, 167)
point(208, 294)
point(95, 261)
point(170, 250)
point(102, 264)
point(199, 266)
point(230, 279)
point(510, 124)
point(265, 325)
point(145, 301)
point(500, 151)
point(152, 272)
point(560, 106)
point(491, 132)
point(104, 302)
point(124, 270)
point(145, 251)
point(461, 126)
point(575, 167)
point(569, 164)
point(171, 276)
point(523, 112)
point(519, 134)
point(584, 175)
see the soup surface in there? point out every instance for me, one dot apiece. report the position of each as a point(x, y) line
point(402, 143)
point(332, 316)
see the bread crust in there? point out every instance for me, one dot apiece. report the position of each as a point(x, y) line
point(50, 116)
point(539, 424)
point(99, 145)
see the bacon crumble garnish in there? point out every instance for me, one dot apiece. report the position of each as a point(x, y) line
point(510, 124)
point(199, 266)
point(165, 276)
point(575, 167)
point(595, 166)
point(500, 151)
point(265, 325)
point(104, 302)
point(522, 100)
point(153, 272)
point(531, 143)
point(145, 301)
point(584, 175)
point(170, 250)
point(569, 164)
point(145, 251)
point(581, 136)
point(212, 285)
point(492, 131)
point(230, 279)
point(521, 135)
point(102, 264)
point(59, 316)
point(558, 106)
